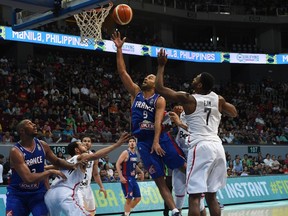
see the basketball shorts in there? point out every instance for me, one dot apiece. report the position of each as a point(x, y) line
point(86, 198)
point(64, 200)
point(206, 167)
point(174, 156)
point(22, 204)
point(131, 188)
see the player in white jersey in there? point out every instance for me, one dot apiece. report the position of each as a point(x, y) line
point(62, 195)
point(85, 193)
point(206, 165)
point(178, 177)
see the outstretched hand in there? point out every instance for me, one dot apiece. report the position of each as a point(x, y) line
point(123, 138)
point(162, 57)
point(116, 38)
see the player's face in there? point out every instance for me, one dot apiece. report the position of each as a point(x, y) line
point(30, 128)
point(149, 82)
point(87, 141)
point(132, 144)
point(196, 82)
point(82, 147)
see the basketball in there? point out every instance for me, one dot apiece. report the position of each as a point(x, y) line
point(122, 14)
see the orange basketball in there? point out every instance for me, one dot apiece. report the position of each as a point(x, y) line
point(122, 14)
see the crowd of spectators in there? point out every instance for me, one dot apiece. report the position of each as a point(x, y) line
point(80, 95)
point(256, 165)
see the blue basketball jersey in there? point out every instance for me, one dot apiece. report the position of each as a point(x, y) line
point(129, 166)
point(143, 115)
point(35, 160)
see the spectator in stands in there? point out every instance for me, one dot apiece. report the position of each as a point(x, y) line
point(286, 159)
point(1, 168)
point(281, 138)
point(106, 161)
point(7, 138)
point(67, 134)
point(106, 135)
point(103, 175)
point(47, 137)
point(71, 121)
point(245, 171)
point(57, 133)
point(60, 155)
point(237, 167)
point(275, 165)
point(268, 161)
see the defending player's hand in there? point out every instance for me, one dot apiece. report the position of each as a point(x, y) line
point(157, 149)
point(174, 118)
point(58, 173)
point(162, 57)
point(116, 38)
point(123, 138)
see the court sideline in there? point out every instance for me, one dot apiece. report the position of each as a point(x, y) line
point(275, 208)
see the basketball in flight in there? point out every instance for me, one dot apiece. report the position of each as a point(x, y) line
point(122, 14)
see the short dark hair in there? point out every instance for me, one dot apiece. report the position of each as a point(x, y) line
point(207, 81)
point(132, 137)
point(71, 148)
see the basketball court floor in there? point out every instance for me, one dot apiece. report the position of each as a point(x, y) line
point(276, 208)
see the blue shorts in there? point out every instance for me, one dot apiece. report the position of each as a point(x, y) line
point(131, 188)
point(174, 156)
point(22, 204)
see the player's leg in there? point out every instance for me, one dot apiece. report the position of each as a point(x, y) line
point(16, 205)
point(213, 204)
point(174, 156)
point(202, 205)
point(136, 194)
point(168, 180)
point(127, 189)
point(179, 187)
point(154, 164)
point(166, 194)
point(194, 204)
point(52, 202)
point(216, 179)
point(37, 204)
point(89, 201)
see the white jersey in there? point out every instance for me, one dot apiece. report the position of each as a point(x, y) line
point(182, 135)
point(88, 174)
point(203, 123)
point(74, 177)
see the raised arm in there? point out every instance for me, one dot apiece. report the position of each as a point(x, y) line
point(104, 151)
point(130, 86)
point(227, 108)
point(167, 93)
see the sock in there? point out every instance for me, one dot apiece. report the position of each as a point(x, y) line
point(127, 213)
point(179, 201)
point(175, 210)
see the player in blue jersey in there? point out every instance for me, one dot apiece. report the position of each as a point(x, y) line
point(154, 145)
point(127, 168)
point(25, 193)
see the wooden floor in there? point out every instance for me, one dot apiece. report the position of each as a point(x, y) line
point(277, 208)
